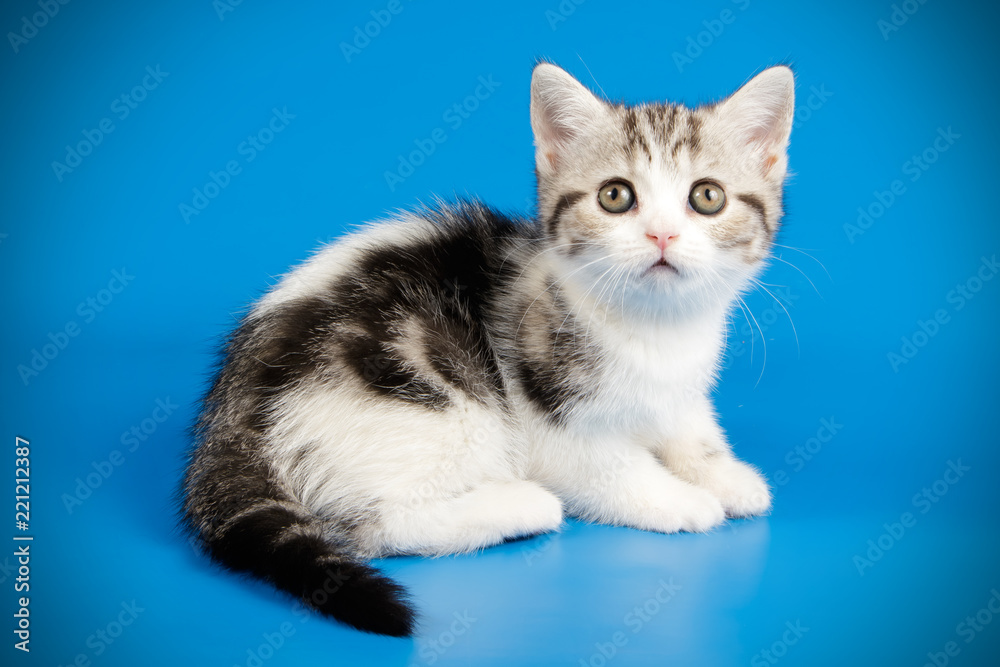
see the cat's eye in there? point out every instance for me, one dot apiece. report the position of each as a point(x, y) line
point(707, 197)
point(616, 197)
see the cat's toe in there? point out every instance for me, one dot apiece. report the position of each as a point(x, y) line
point(547, 512)
point(701, 512)
point(526, 507)
point(743, 492)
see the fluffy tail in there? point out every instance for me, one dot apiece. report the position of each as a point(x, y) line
point(248, 524)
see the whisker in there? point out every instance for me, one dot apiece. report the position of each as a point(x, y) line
point(803, 251)
point(554, 283)
point(788, 314)
point(536, 257)
point(762, 340)
point(618, 270)
point(572, 309)
point(598, 300)
point(784, 261)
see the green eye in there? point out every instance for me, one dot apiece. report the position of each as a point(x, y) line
point(616, 197)
point(707, 198)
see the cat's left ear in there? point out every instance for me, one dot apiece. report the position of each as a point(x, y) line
point(562, 109)
point(759, 116)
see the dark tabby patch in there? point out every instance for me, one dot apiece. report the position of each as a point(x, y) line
point(447, 284)
point(755, 202)
point(546, 375)
point(564, 202)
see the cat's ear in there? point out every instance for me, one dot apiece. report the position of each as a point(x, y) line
point(759, 116)
point(561, 110)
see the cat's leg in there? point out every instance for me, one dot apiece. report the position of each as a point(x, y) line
point(413, 480)
point(484, 516)
point(700, 454)
point(622, 483)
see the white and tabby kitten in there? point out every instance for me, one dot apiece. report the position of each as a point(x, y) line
point(444, 381)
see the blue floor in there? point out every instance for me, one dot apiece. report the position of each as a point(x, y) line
point(162, 165)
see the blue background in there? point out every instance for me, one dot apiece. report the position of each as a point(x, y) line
point(868, 102)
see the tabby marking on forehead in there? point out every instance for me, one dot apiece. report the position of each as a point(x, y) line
point(689, 136)
point(634, 139)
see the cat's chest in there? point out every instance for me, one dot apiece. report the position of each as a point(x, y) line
point(661, 358)
point(647, 375)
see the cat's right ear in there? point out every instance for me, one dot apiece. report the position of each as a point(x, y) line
point(562, 109)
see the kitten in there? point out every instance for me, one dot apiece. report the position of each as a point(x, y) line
point(453, 378)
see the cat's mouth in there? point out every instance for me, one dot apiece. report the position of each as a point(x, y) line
point(663, 266)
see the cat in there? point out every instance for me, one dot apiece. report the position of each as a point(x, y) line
point(455, 377)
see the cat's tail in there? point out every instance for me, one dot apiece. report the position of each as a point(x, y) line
point(248, 524)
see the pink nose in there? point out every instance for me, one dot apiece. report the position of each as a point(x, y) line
point(661, 239)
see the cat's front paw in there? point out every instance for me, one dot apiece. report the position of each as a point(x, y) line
point(683, 508)
point(699, 511)
point(741, 490)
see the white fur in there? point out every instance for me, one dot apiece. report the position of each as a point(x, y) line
point(635, 457)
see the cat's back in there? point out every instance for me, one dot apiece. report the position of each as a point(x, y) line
point(450, 252)
point(405, 309)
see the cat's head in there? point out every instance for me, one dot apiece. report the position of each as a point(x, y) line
point(659, 204)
